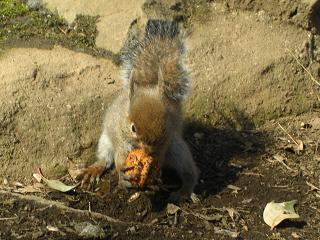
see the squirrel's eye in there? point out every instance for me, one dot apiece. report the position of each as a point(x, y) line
point(133, 128)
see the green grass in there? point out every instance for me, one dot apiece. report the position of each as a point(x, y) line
point(12, 8)
point(21, 24)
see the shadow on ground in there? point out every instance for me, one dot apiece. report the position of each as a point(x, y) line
point(315, 17)
point(223, 153)
point(220, 153)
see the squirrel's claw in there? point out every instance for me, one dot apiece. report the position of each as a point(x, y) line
point(84, 180)
point(124, 180)
point(92, 174)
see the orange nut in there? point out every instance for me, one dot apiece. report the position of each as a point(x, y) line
point(142, 168)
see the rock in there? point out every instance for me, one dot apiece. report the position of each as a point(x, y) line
point(88, 230)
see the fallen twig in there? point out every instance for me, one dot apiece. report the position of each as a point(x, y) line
point(64, 207)
point(63, 31)
point(8, 218)
point(252, 174)
point(313, 187)
point(297, 60)
point(282, 128)
point(280, 159)
point(281, 186)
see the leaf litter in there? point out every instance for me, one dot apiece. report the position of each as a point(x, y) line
point(54, 184)
point(275, 213)
point(296, 147)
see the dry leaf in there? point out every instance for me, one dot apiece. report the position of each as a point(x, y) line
point(246, 201)
point(234, 188)
point(37, 176)
point(194, 198)
point(295, 148)
point(295, 235)
point(28, 189)
point(17, 184)
point(74, 170)
point(52, 228)
point(54, 184)
point(154, 221)
point(172, 209)
point(279, 158)
point(275, 213)
point(58, 185)
point(134, 197)
point(232, 212)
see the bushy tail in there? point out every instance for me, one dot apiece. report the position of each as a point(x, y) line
point(158, 60)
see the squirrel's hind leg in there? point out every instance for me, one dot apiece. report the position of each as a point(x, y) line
point(179, 159)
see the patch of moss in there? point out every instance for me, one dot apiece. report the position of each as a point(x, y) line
point(85, 30)
point(12, 8)
point(51, 27)
point(23, 26)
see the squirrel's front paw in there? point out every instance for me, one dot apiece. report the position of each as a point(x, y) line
point(125, 180)
point(92, 174)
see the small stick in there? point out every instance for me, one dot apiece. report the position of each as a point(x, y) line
point(312, 78)
point(280, 186)
point(252, 174)
point(7, 218)
point(287, 167)
point(282, 128)
point(283, 163)
point(63, 31)
point(89, 207)
point(313, 187)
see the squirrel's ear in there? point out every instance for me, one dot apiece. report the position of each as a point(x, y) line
point(131, 84)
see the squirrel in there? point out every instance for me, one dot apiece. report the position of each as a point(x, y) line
point(147, 113)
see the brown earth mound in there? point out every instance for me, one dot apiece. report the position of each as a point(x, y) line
point(251, 101)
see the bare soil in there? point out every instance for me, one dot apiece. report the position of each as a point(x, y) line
point(251, 101)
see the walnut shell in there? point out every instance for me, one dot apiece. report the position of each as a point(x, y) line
point(142, 168)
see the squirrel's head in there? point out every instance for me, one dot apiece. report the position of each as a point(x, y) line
point(149, 122)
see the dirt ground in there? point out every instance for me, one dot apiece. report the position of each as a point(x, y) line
point(251, 102)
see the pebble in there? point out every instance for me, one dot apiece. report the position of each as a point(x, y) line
point(132, 230)
point(88, 230)
point(5, 181)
